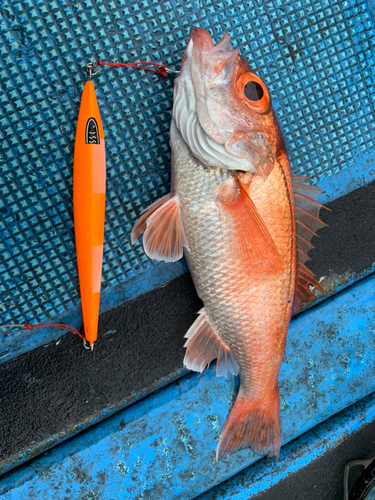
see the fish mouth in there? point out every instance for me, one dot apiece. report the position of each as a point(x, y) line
point(210, 58)
point(215, 57)
point(201, 39)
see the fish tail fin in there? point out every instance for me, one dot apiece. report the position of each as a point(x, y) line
point(252, 423)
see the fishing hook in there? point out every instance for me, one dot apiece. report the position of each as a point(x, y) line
point(87, 346)
point(21, 329)
point(10, 303)
point(167, 70)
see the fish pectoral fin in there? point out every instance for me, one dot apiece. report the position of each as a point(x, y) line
point(203, 345)
point(141, 223)
point(254, 242)
point(164, 236)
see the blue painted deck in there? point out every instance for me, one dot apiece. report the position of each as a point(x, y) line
point(163, 447)
point(297, 454)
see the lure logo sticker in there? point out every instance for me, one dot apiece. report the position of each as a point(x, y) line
point(92, 132)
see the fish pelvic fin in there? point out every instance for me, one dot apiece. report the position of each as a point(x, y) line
point(164, 236)
point(254, 242)
point(252, 423)
point(203, 345)
point(307, 211)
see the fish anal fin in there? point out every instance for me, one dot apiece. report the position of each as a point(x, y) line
point(254, 242)
point(252, 423)
point(164, 236)
point(307, 211)
point(203, 345)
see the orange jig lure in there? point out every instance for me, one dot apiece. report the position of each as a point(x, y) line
point(89, 178)
point(89, 194)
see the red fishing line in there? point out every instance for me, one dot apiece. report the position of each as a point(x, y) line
point(161, 71)
point(71, 329)
point(28, 326)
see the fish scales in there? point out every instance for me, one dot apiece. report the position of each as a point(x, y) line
point(246, 309)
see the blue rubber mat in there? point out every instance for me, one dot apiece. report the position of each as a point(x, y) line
point(317, 57)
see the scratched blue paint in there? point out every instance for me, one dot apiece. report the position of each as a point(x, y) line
point(110, 332)
point(163, 447)
point(316, 57)
point(25, 455)
point(295, 455)
point(337, 283)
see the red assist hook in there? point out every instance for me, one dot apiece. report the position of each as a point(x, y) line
point(27, 326)
point(159, 69)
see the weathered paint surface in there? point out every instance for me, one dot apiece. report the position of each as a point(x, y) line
point(297, 454)
point(334, 283)
point(42, 446)
point(163, 447)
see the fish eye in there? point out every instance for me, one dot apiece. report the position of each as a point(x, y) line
point(253, 91)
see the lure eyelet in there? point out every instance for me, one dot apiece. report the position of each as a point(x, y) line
point(253, 92)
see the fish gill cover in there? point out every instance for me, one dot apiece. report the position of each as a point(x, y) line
point(316, 57)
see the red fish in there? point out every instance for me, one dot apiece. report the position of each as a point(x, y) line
point(245, 225)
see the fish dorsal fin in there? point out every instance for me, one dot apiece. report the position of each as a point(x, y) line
point(307, 222)
point(164, 236)
point(203, 345)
